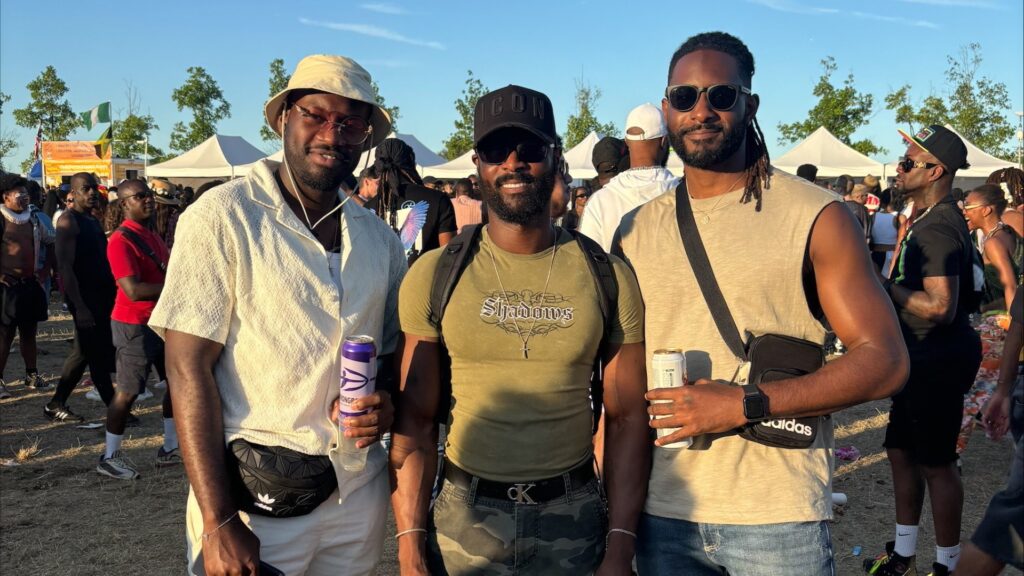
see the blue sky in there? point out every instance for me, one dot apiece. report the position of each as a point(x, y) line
point(419, 52)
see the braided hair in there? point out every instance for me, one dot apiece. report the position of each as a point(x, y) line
point(395, 165)
point(756, 162)
point(1014, 180)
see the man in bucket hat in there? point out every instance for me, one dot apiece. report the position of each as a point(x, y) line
point(272, 273)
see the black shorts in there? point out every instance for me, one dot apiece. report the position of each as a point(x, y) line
point(23, 302)
point(926, 415)
point(138, 348)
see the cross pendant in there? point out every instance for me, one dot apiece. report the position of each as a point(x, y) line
point(525, 352)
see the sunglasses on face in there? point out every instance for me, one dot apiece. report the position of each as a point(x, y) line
point(721, 97)
point(497, 151)
point(908, 164)
point(973, 206)
point(350, 129)
point(140, 195)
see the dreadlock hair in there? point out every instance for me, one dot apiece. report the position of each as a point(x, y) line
point(756, 162)
point(1014, 180)
point(395, 165)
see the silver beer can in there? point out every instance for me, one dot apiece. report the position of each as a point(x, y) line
point(669, 368)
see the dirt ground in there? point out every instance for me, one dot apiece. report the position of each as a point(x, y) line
point(59, 517)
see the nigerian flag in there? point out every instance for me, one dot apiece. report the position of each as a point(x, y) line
point(95, 116)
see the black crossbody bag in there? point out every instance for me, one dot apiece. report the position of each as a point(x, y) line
point(276, 481)
point(771, 356)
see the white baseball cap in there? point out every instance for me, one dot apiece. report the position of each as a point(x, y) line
point(646, 117)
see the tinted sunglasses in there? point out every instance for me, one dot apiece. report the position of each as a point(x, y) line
point(908, 164)
point(350, 129)
point(140, 195)
point(497, 151)
point(721, 97)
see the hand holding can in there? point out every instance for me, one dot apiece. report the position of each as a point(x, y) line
point(358, 380)
point(669, 371)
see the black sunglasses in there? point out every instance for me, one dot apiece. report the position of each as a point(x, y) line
point(139, 195)
point(909, 164)
point(721, 97)
point(497, 151)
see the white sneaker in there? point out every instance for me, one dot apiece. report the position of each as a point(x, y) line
point(117, 466)
point(146, 395)
point(161, 385)
point(94, 394)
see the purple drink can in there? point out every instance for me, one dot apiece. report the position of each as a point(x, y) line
point(358, 372)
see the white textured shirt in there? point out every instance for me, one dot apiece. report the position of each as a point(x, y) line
point(248, 274)
point(621, 194)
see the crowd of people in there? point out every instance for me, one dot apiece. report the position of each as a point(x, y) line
point(517, 319)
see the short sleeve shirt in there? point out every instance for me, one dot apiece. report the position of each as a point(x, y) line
point(440, 214)
point(937, 244)
point(514, 418)
point(128, 259)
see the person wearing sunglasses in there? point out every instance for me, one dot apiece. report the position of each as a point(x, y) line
point(1001, 248)
point(522, 330)
point(932, 286)
point(270, 273)
point(786, 254)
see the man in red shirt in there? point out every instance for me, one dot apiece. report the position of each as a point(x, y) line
point(138, 259)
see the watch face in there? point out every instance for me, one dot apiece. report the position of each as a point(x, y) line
point(753, 407)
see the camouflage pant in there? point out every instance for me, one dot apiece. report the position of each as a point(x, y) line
point(487, 536)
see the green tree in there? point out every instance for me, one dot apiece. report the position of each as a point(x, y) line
point(131, 132)
point(8, 139)
point(48, 109)
point(201, 94)
point(842, 110)
point(583, 121)
point(461, 141)
point(975, 106)
point(393, 111)
point(278, 81)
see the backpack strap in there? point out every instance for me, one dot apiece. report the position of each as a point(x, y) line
point(608, 297)
point(454, 259)
point(143, 246)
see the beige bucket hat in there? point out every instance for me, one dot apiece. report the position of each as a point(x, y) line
point(334, 75)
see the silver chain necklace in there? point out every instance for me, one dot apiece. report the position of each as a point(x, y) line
point(504, 294)
point(705, 215)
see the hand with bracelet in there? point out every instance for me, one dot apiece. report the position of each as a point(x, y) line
point(619, 549)
point(229, 547)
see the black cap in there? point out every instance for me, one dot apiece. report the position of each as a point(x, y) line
point(514, 107)
point(608, 155)
point(942, 143)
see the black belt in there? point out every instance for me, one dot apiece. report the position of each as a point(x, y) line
point(532, 492)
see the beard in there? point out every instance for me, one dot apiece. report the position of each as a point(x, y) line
point(523, 207)
point(316, 177)
point(708, 156)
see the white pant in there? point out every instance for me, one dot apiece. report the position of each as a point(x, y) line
point(333, 540)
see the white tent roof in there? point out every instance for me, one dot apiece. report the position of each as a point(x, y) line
point(580, 157)
point(982, 163)
point(461, 167)
point(830, 155)
point(424, 156)
point(217, 157)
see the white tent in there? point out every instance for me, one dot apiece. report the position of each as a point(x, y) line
point(830, 155)
point(424, 156)
point(461, 167)
point(982, 164)
point(579, 158)
point(217, 157)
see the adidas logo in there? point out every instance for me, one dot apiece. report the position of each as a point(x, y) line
point(264, 501)
point(789, 425)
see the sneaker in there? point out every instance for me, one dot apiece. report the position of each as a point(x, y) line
point(61, 414)
point(939, 570)
point(165, 458)
point(146, 395)
point(36, 381)
point(4, 392)
point(94, 394)
point(160, 385)
point(117, 466)
point(889, 563)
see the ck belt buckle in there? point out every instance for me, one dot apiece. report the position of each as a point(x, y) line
point(520, 493)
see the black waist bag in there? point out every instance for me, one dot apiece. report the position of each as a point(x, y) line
point(278, 482)
point(774, 357)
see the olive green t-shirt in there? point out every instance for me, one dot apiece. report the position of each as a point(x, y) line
point(514, 418)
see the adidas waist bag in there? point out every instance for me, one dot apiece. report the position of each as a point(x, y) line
point(278, 482)
point(776, 357)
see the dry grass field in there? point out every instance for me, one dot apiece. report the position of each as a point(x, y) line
point(59, 517)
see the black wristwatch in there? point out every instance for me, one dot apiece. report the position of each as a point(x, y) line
point(755, 403)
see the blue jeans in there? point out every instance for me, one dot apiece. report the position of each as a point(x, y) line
point(669, 546)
